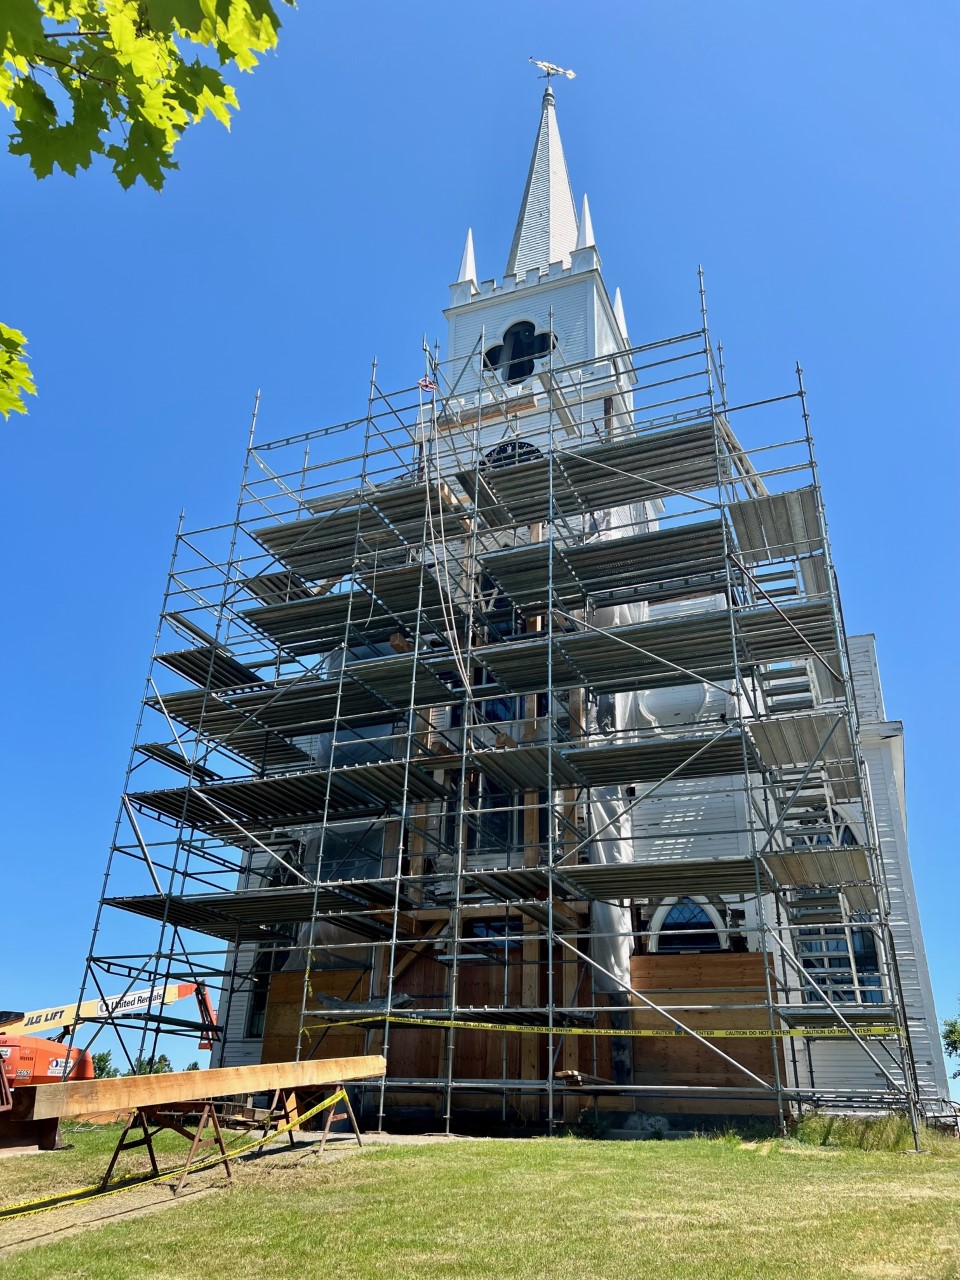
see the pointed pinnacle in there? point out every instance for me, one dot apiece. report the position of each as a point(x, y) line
point(585, 239)
point(468, 265)
point(620, 317)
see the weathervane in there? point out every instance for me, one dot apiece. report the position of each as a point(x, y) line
point(551, 69)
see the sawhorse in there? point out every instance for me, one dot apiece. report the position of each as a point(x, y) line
point(285, 1110)
point(175, 1116)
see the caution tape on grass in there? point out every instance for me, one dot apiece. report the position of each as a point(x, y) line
point(715, 1033)
point(96, 1192)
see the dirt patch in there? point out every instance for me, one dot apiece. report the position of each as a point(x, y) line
point(23, 1233)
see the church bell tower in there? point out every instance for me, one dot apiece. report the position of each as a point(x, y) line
point(508, 338)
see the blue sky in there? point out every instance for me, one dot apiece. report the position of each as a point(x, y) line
point(805, 154)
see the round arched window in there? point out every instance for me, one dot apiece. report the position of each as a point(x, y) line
point(688, 926)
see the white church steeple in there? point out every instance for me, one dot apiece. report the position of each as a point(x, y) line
point(547, 226)
point(549, 312)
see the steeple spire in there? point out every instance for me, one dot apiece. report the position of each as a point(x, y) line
point(547, 226)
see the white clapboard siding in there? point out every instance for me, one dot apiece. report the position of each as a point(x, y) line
point(702, 818)
point(882, 742)
point(843, 1065)
point(564, 305)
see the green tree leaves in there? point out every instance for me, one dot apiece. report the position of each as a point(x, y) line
point(116, 77)
point(16, 381)
point(157, 1066)
point(103, 1068)
point(122, 80)
point(951, 1040)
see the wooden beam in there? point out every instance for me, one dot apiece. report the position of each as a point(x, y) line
point(570, 1046)
point(529, 1103)
point(84, 1097)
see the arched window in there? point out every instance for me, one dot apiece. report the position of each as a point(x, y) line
point(843, 962)
point(825, 827)
point(687, 925)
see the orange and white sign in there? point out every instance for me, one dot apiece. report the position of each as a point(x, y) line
point(42, 1022)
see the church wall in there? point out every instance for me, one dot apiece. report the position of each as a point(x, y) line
point(608, 338)
point(572, 300)
point(694, 819)
point(904, 916)
point(692, 978)
point(866, 678)
point(237, 1049)
point(842, 1065)
point(883, 751)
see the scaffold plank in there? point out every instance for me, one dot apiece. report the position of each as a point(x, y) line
point(637, 656)
point(630, 469)
point(320, 622)
point(526, 889)
point(785, 741)
point(256, 803)
point(164, 754)
point(648, 654)
point(777, 526)
point(414, 591)
point(379, 605)
point(677, 877)
point(767, 634)
point(251, 915)
point(665, 565)
point(617, 764)
point(210, 666)
point(404, 679)
point(526, 768)
point(306, 705)
point(281, 587)
point(819, 1014)
point(218, 720)
point(356, 527)
point(824, 865)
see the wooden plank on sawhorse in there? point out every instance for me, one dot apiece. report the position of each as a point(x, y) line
point(85, 1097)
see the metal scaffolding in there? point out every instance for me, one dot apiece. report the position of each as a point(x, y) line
point(375, 741)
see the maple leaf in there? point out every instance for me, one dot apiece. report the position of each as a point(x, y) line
point(16, 380)
point(126, 79)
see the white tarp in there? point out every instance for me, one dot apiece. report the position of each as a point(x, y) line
point(609, 816)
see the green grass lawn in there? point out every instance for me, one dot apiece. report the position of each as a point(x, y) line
point(562, 1208)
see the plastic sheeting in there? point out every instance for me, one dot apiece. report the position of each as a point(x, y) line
point(610, 820)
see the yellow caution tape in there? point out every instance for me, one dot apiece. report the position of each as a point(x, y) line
point(741, 1033)
point(28, 1208)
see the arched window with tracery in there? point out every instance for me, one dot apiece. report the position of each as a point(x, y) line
point(824, 827)
point(687, 924)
